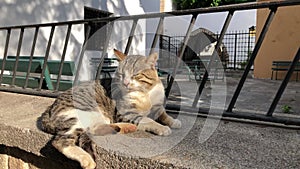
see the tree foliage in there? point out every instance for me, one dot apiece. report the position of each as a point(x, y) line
point(190, 4)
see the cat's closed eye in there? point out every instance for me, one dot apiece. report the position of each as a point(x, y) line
point(120, 75)
point(143, 79)
point(138, 76)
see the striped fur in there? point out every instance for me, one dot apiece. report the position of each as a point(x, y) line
point(139, 95)
point(78, 113)
point(137, 103)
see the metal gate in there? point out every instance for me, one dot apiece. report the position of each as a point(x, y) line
point(39, 89)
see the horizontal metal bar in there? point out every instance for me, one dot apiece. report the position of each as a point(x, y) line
point(239, 115)
point(29, 91)
point(243, 6)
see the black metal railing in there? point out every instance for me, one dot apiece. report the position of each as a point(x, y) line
point(231, 9)
point(237, 46)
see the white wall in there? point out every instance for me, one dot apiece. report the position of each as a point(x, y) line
point(241, 21)
point(20, 12)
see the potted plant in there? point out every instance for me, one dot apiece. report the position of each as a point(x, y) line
point(244, 63)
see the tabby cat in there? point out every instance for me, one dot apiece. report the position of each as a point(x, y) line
point(86, 109)
point(77, 113)
point(139, 94)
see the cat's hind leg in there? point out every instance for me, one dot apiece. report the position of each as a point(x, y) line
point(66, 144)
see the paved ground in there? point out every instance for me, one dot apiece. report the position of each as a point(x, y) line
point(256, 95)
point(201, 143)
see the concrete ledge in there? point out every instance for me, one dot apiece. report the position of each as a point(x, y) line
point(22, 142)
point(22, 145)
point(230, 145)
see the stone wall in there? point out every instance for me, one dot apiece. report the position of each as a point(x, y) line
point(15, 158)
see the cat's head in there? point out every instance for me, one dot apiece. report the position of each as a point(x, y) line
point(137, 72)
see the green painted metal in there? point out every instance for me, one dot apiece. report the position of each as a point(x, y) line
point(22, 66)
point(52, 68)
point(68, 67)
point(20, 81)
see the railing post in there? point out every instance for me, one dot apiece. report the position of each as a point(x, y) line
point(235, 48)
point(31, 55)
point(159, 31)
point(17, 56)
point(212, 59)
point(75, 83)
point(185, 41)
point(248, 51)
point(5, 53)
point(99, 68)
point(134, 24)
point(46, 59)
point(252, 58)
point(62, 60)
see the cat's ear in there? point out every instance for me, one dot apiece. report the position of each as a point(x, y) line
point(152, 59)
point(120, 56)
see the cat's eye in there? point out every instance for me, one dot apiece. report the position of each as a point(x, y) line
point(138, 76)
point(142, 78)
point(120, 75)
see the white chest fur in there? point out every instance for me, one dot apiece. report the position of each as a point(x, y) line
point(85, 119)
point(157, 94)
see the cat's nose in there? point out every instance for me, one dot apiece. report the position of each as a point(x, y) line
point(126, 82)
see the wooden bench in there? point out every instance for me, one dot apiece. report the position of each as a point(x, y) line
point(66, 80)
point(109, 66)
point(50, 74)
point(283, 66)
point(22, 68)
point(197, 67)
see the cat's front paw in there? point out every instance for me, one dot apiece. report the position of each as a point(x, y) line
point(176, 124)
point(126, 127)
point(164, 131)
point(87, 162)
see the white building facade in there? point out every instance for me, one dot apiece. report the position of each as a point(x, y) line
point(24, 12)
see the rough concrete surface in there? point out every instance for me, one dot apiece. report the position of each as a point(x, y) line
point(229, 144)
